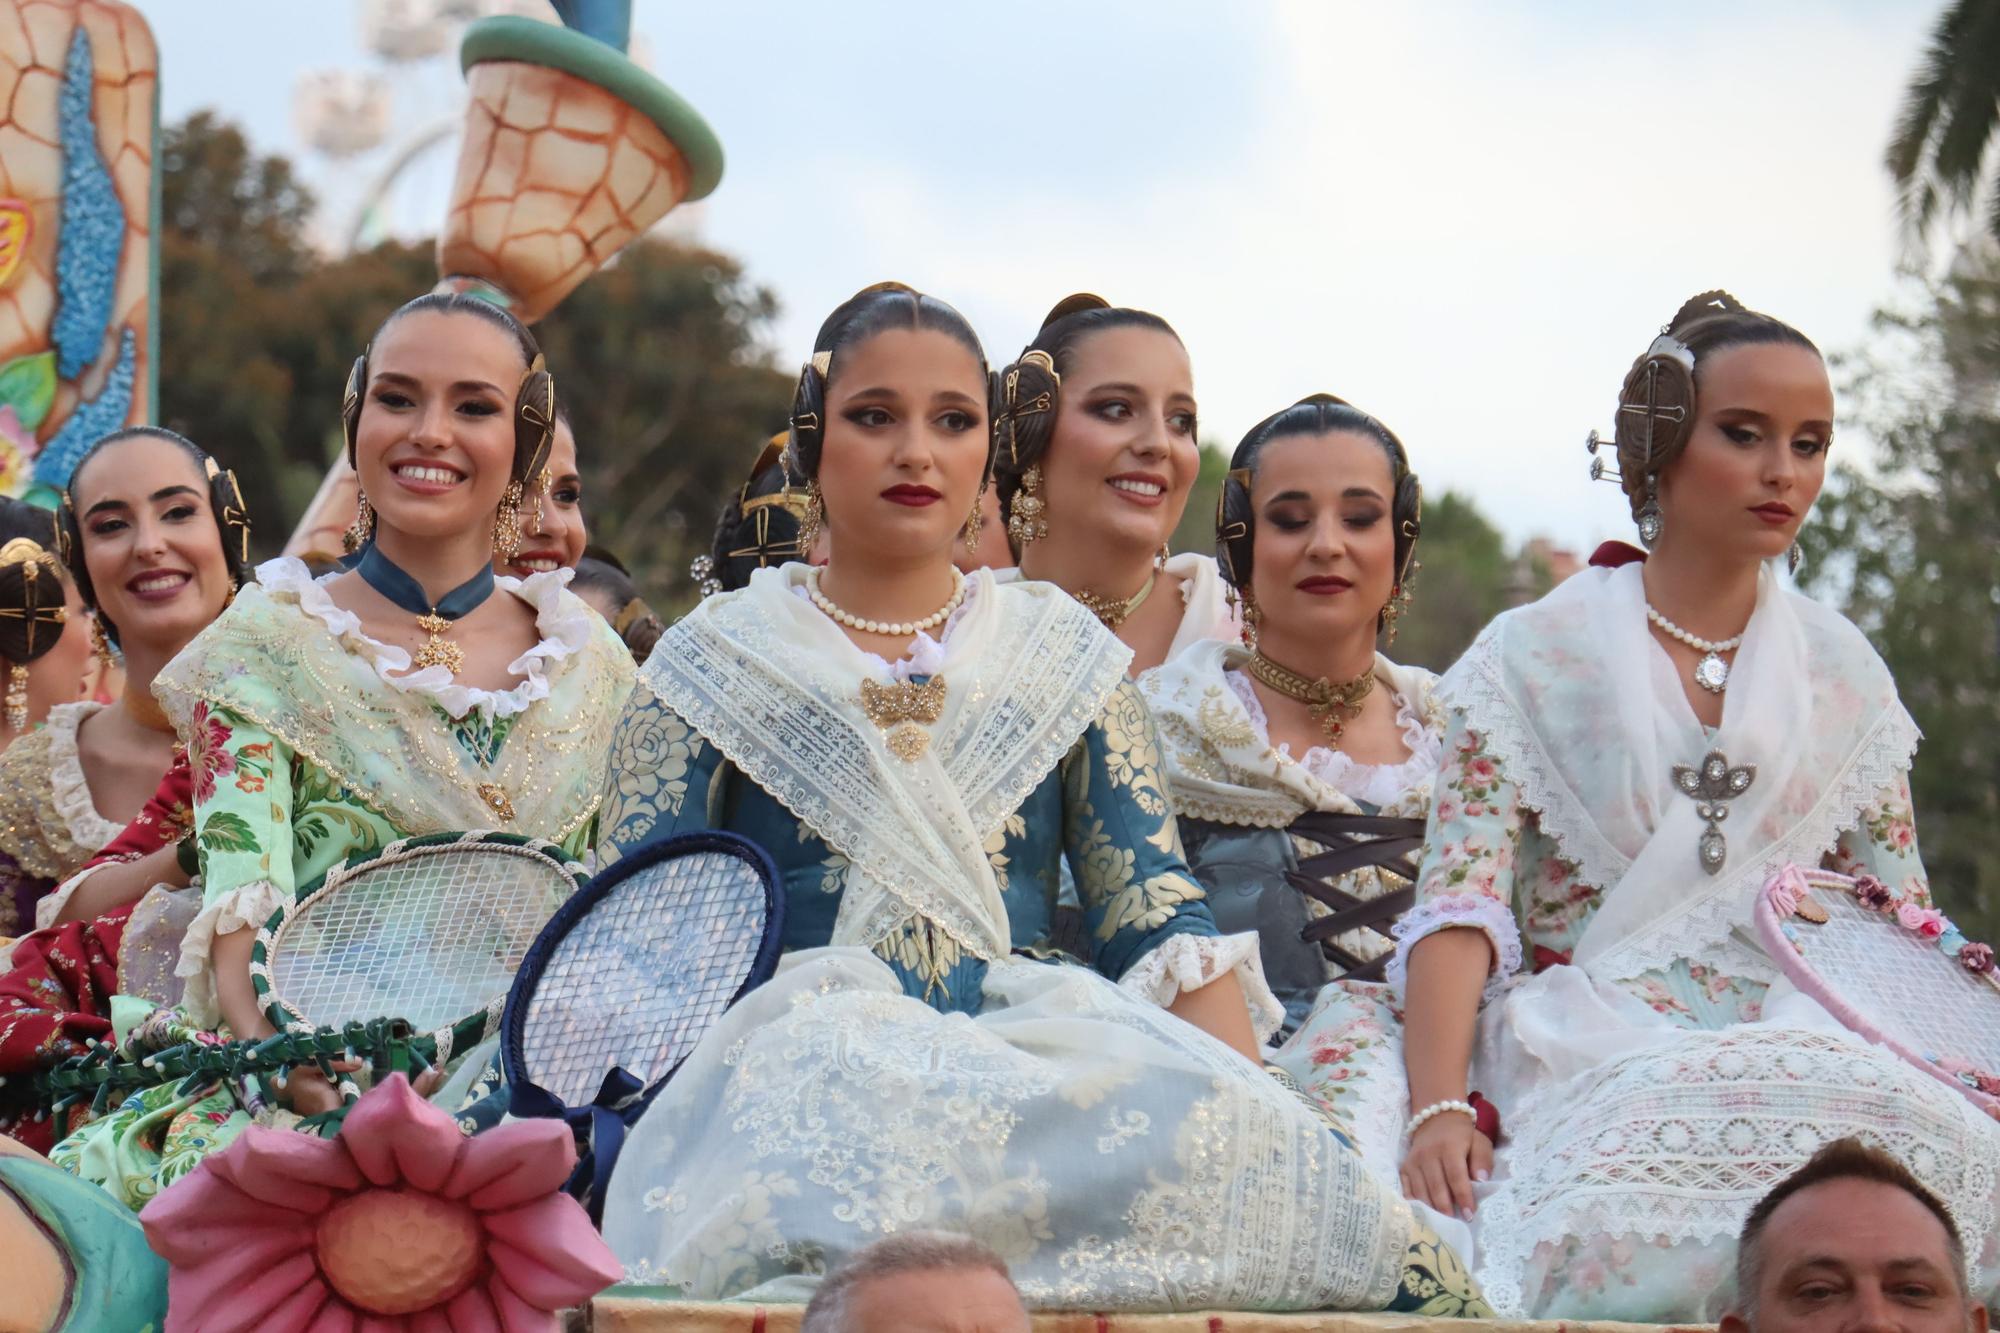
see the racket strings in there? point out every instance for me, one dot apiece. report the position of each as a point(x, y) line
point(431, 936)
point(642, 976)
point(1910, 989)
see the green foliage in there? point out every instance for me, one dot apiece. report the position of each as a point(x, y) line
point(1196, 530)
point(659, 358)
point(1908, 541)
point(1465, 578)
point(1938, 154)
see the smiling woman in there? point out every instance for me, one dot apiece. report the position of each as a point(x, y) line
point(552, 534)
point(1097, 456)
point(416, 693)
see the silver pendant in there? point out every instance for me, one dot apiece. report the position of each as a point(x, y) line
point(1713, 785)
point(1712, 673)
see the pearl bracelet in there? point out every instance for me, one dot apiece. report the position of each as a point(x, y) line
point(1435, 1109)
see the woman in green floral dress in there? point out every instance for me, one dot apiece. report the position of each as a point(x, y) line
point(324, 718)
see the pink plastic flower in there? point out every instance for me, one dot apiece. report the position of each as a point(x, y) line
point(401, 1222)
point(1926, 921)
point(1784, 892)
point(1977, 957)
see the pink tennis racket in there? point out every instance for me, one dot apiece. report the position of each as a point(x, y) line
point(1891, 970)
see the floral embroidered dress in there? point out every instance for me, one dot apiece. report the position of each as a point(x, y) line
point(1236, 795)
point(1655, 1072)
point(49, 825)
point(309, 742)
point(913, 1063)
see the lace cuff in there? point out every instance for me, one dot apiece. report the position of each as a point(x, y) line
point(1189, 962)
point(249, 906)
point(1473, 910)
point(46, 908)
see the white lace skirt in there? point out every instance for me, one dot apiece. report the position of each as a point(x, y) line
point(1635, 1147)
point(1115, 1156)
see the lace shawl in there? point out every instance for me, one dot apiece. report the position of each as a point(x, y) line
point(315, 683)
point(1590, 717)
point(775, 686)
point(1220, 761)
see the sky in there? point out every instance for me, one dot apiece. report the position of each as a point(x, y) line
point(1467, 218)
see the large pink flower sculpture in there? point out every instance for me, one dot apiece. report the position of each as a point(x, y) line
point(401, 1222)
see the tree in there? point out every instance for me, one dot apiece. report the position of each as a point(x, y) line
point(1465, 578)
point(1910, 546)
point(1938, 153)
point(660, 358)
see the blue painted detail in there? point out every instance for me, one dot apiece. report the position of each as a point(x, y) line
point(92, 420)
point(92, 227)
point(609, 21)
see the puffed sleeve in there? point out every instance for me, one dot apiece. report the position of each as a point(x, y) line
point(1471, 848)
point(241, 780)
point(1143, 908)
point(1884, 844)
point(662, 774)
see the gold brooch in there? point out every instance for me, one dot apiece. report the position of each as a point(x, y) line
point(496, 797)
point(902, 711)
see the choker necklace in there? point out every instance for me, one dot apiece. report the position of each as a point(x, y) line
point(1332, 705)
point(146, 711)
point(892, 628)
point(1115, 613)
point(390, 579)
point(1711, 673)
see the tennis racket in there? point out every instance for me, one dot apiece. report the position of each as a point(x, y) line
point(627, 978)
point(1892, 971)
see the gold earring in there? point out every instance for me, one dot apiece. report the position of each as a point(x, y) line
point(507, 523)
point(1252, 617)
point(1166, 554)
point(363, 527)
point(811, 521)
point(975, 522)
point(100, 643)
point(17, 698)
point(1393, 609)
point(1026, 523)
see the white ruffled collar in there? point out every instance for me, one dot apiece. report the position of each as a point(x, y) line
point(1376, 784)
point(69, 789)
point(563, 621)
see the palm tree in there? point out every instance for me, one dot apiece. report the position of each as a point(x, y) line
point(1951, 111)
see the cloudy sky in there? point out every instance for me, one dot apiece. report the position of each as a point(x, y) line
point(1466, 217)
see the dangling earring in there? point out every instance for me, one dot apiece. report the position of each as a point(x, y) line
point(1794, 558)
point(969, 534)
point(1026, 523)
point(811, 521)
point(17, 698)
point(507, 523)
point(363, 527)
point(1650, 520)
point(1392, 611)
point(100, 643)
point(1252, 617)
point(1166, 554)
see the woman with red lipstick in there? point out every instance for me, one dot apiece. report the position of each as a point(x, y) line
point(415, 693)
point(1580, 947)
point(1096, 458)
point(919, 749)
point(552, 534)
point(154, 537)
point(1317, 531)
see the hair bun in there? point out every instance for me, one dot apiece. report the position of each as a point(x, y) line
point(1707, 303)
point(1330, 399)
point(1071, 305)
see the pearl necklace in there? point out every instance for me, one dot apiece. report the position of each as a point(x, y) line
point(1711, 673)
point(897, 629)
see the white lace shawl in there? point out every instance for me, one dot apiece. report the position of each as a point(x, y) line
point(775, 686)
point(1588, 716)
point(1222, 766)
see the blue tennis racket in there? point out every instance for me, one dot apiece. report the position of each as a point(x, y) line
point(627, 977)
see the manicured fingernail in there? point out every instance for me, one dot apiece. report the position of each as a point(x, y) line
point(1479, 1175)
point(1465, 1213)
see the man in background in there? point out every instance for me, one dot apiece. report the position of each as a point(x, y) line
point(919, 1282)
